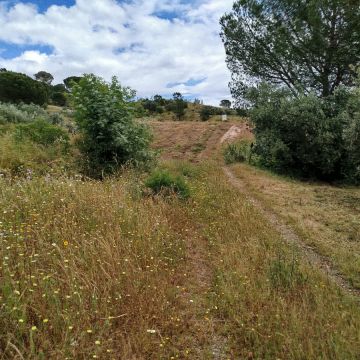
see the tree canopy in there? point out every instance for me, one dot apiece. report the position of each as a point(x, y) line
point(305, 45)
point(225, 104)
point(16, 87)
point(44, 77)
point(71, 81)
point(179, 105)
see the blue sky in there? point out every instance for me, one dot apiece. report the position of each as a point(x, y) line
point(154, 46)
point(43, 5)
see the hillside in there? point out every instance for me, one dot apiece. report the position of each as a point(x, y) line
point(250, 266)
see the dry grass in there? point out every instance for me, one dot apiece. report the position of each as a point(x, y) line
point(87, 270)
point(52, 109)
point(268, 301)
point(26, 158)
point(99, 270)
point(326, 217)
point(188, 140)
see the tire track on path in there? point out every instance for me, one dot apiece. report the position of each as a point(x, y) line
point(290, 236)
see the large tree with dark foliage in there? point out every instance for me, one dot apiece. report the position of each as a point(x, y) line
point(44, 77)
point(305, 45)
point(16, 88)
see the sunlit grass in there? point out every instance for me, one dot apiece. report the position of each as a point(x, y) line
point(102, 270)
point(269, 301)
point(326, 217)
point(86, 270)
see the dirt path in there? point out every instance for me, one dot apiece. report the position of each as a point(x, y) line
point(202, 337)
point(289, 235)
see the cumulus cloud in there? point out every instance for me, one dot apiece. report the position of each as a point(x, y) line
point(148, 44)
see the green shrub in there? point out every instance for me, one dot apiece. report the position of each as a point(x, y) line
point(237, 152)
point(22, 158)
point(110, 136)
point(10, 113)
point(205, 113)
point(59, 98)
point(16, 87)
point(162, 182)
point(56, 119)
point(35, 111)
point(20, 113)
point(41, 132)
point(309, 136)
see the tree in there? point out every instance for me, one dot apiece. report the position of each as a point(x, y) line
point(305, 45)
point(159, 100)
point(225, 104)
point(44, 77)
point(149, 105)
point(58, 94)
point(59, 88)
point(16, 87)
point(59, 98)
point(205, 113)
point(71, 81)
point(110, 136)
point(179, 105)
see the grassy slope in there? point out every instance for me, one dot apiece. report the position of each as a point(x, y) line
point(326, 217)
point(103, 271)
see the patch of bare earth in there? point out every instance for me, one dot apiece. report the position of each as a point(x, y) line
point(191, 141)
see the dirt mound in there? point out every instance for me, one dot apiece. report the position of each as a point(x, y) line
point(236, 132)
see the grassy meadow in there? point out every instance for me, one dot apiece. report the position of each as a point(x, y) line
point(105, 269)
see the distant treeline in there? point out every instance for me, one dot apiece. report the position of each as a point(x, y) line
point(20, 88)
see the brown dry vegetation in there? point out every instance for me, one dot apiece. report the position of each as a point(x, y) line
point(326, 217)
point(191, 141)
point(100, 270)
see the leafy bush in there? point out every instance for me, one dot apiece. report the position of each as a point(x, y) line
point(162, 182)
point(56, 119)
point(26, 158)
point(351, 138)
point(35, 111)
point(11, 113)
point(309, 136)
point(41, 132)
point(237, 152)
point(59, 98)
point(16, 87)
point(205, 113)
point(110, 136)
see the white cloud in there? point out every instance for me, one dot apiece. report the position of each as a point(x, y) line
point(125, 39)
